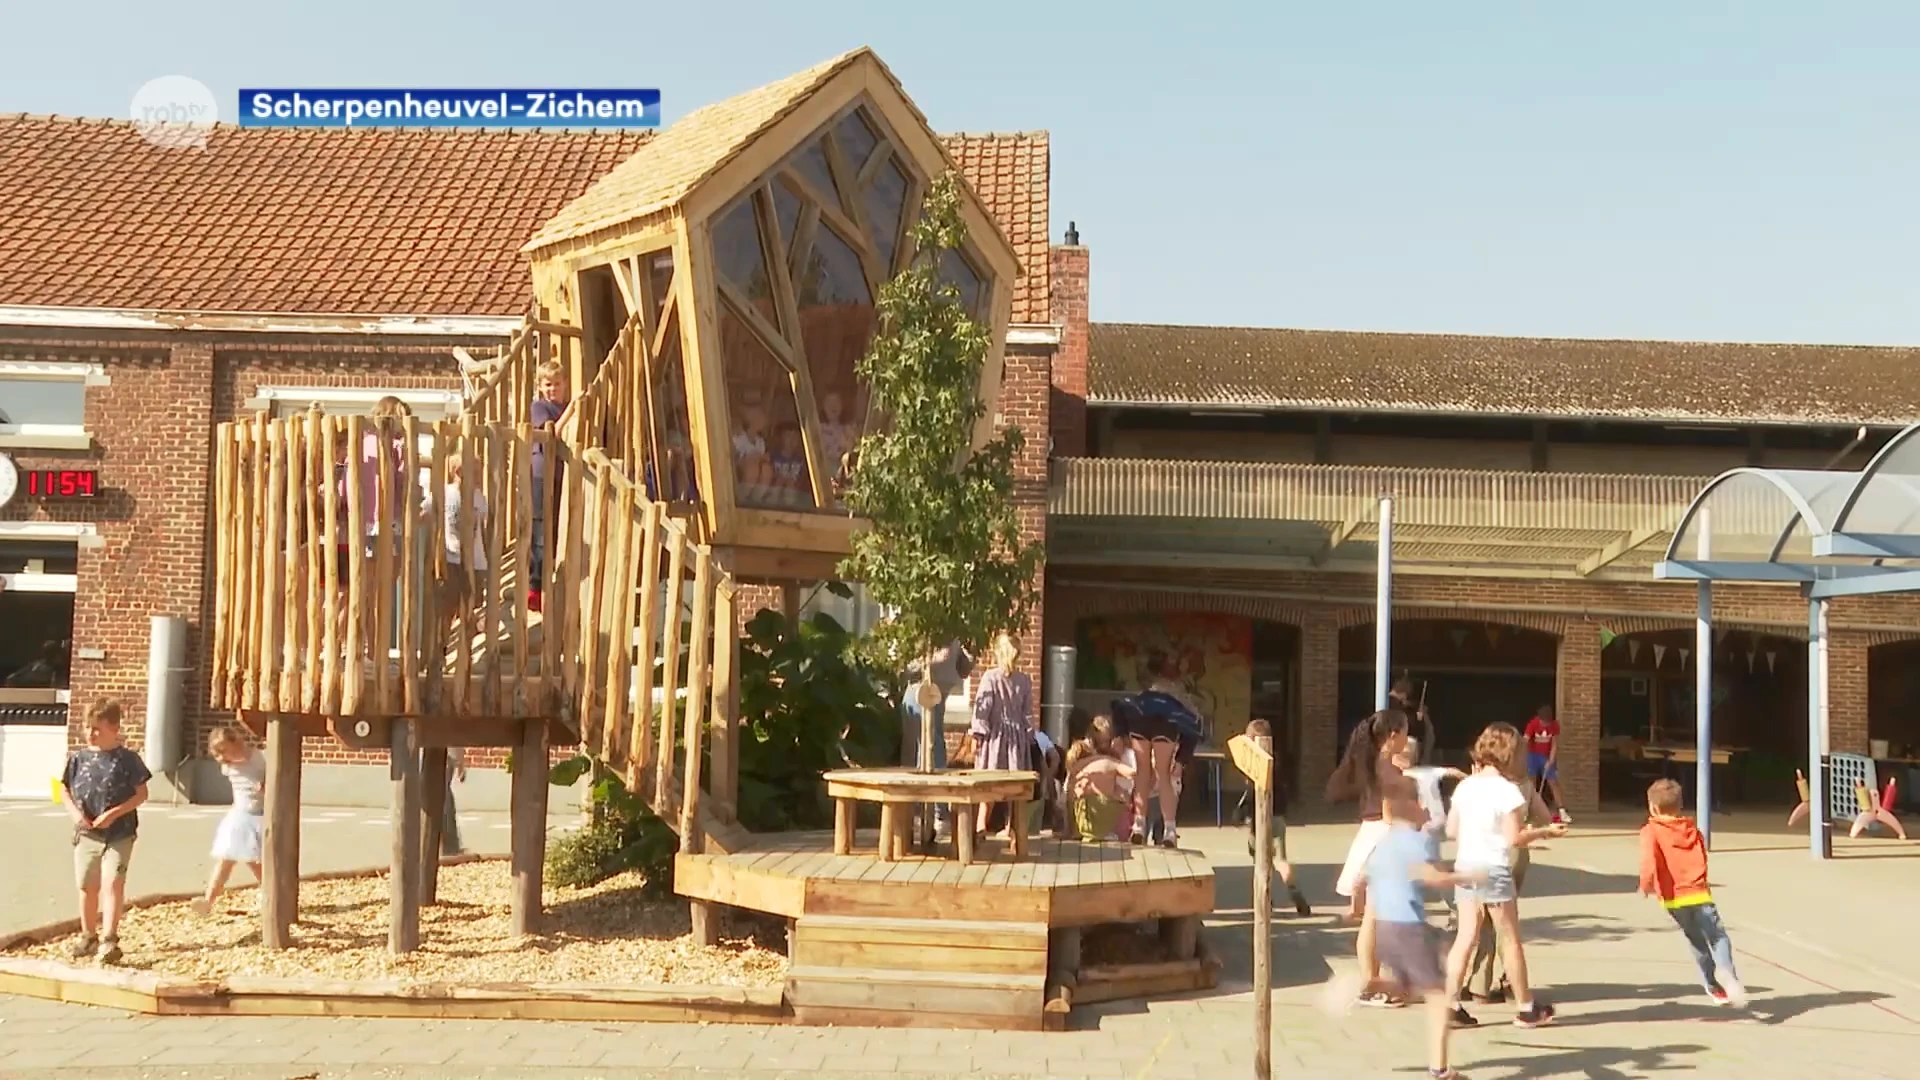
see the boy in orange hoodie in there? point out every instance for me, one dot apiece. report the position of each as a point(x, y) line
point(1673, 867)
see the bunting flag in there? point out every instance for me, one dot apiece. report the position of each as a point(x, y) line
point(1633, 650)
point(1683, 657)
point(1659, 655)
point(1607, 637)
point(1752, 655)
point(1770, 656)
point(1459, 636)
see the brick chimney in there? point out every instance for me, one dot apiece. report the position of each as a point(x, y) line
point(1067, 403)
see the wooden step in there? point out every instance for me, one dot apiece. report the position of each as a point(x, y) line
point(920, 945)
point(881, 995)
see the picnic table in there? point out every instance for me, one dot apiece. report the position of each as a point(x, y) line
point(896, 788)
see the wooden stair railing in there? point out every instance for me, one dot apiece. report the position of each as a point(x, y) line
point(632, 590)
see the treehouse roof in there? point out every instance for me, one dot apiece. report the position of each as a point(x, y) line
point(662, 174)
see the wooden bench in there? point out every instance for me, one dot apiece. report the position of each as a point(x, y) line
point(895, 788)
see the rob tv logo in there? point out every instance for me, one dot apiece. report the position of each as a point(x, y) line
point(175, 111)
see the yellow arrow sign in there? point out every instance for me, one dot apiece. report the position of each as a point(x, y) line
point(1252, 756)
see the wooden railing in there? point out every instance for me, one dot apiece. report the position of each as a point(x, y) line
point(336, 591)
point(507, 379)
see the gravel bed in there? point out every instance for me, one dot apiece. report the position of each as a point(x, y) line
point(608, 934)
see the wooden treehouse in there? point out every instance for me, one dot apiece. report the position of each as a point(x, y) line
point(708, 300)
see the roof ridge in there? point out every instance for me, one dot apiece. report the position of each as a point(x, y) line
point(229, 125)
point(1435, 334)
point(1029, 133)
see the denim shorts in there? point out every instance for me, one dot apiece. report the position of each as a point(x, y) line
point(1498, 888)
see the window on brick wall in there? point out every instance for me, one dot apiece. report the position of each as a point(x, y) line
point(44, 403)
point(284, 401)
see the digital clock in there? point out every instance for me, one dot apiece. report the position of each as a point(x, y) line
point(61, 483)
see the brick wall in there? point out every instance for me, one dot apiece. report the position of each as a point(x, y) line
point(1574, 612)
point(1068, 393)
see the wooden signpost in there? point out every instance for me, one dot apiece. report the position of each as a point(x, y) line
point(1254, 757)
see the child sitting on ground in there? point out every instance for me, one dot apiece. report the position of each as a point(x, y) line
point(1094, 777)
point(1260, 729)
point(1673, 867)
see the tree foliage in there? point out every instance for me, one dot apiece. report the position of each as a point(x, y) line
point(944, 553)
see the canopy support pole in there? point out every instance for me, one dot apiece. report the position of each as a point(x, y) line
point(1818, 838)
point(1703, 693)
point(1383, 608)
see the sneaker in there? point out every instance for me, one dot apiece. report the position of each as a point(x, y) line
point(1540, 1015)
point(1442, 1074)
point(1729, 992)
point(86, 945)
point(1169, 840)
point(1463, 1019)
point(1379, 999)
point(1563, 817)
point(110, 950)
point(1300, 905)
point(201, 907)
point(1139, 837)
point(1497, 996)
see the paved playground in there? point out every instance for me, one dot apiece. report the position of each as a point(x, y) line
point(1833, 965)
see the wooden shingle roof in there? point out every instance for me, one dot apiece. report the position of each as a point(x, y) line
point(1341, 371)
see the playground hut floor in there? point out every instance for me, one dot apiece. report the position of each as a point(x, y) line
point(610, 932)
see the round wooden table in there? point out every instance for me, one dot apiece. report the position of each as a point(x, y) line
point(895, 788)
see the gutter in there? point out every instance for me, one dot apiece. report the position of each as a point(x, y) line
point(257, 322)
point(1357, 408)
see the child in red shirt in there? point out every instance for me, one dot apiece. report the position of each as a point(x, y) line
point(1543, 748)
point(1673, 867)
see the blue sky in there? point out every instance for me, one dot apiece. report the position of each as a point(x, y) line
point(1739, 171)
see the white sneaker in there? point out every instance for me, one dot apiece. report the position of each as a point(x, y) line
point(1736, 993)
point(1564, 818)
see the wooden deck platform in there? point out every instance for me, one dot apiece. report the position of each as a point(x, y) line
point(926, 941)
point(1061, 883)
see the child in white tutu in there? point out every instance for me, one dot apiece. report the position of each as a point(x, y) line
point(243, 829)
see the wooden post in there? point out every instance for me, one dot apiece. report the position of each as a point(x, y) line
point(1254, 757)
point(280, 864)
point(433, 809)
point(529, 824)
point(403, 886)
point(843, 811)
point(963, 833)
point(1180, 935)
point(790, 603)
point(724, 781)
point(889, 830)
point(1017, 827)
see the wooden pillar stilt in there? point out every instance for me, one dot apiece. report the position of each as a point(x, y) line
point(843, 825)
point(433, 809)
point(889, 830)
point(706, 921)
point(280, 862)
point(528, 825)
point(403, 887)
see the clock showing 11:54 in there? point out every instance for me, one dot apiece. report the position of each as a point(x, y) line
point(45, 483)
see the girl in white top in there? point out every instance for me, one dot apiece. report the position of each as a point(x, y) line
point(1487, 824)
point(242, 831)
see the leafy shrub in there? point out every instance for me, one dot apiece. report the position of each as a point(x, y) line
point(804, 696)
point(623, 834)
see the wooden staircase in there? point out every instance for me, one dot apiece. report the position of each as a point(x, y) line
point(863, 970)
point(676, 609)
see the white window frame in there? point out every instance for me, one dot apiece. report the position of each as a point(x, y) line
point(50, 436)
point(351, 398)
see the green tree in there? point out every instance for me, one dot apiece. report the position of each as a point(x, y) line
point(944, 553)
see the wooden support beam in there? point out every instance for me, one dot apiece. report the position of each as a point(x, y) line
point(724, 779)
point(1181, 936)
point(280, 863)
point(1341, 534)
point(528, 825)
point(1613, 551)
point(433, 808)
point(705, 915)
point(403, 883)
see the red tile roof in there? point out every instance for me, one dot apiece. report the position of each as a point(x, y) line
point(1010, 173)
point(1346, 371)
point(285, 221)
point(348, 222)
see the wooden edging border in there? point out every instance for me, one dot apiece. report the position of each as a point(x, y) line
point(241, 995)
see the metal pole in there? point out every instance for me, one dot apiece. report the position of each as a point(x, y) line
point(1383, 607)
point(1816, 705)
point(1703, 693)
point(1703, 712)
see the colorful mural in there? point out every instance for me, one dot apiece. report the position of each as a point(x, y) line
point(1213, 655)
